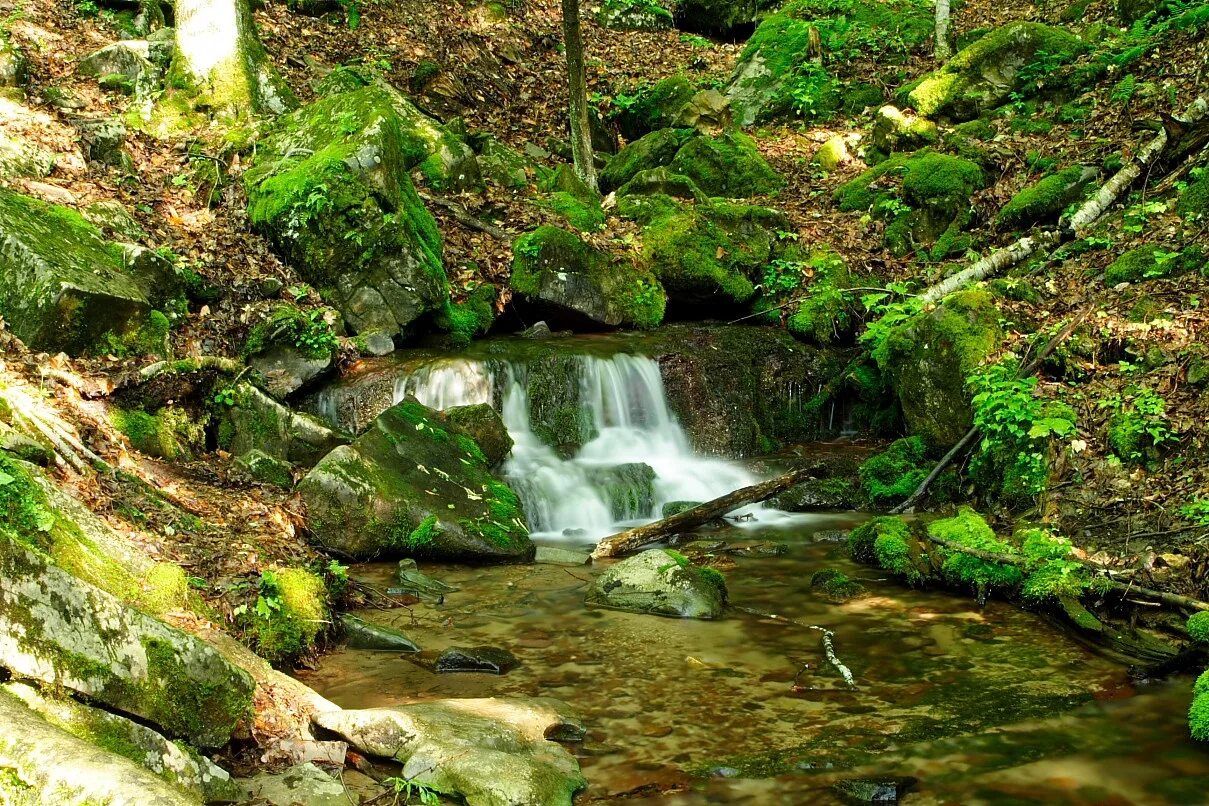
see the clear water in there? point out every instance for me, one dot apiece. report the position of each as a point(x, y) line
point(988, 705)
point(626, 406)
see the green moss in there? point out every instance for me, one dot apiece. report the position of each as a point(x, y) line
point(863, 539)
point(169, 433)
point(290, 613)
point(1201, 686)
point(1198, 717)
point(180, 704)
point(889, 477)
point(421, 536)
point(835, 586)
point(1143, 263)
point(1043, 200)
point(656, 106)
point(729, 165)
point(1194, 201)
point(653, 150)
point(586, 216)
point(970, 530)
point(894, 555)
point(1198, 627)
point(932, 177)
point(1052, 571)
point(472, 317)
point(308, 331)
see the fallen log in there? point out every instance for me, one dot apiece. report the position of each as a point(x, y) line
point(640, 536)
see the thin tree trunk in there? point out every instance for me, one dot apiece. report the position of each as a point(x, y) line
point(941, 49)
point(641, 536)
point(577, 88)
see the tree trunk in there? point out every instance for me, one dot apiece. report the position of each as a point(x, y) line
point(218, 53)
point(641, 536)
point(577, 87)
point(941, 49)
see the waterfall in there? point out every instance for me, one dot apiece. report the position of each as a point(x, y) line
point(605, 485)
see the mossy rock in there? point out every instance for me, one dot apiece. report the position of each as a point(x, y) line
point(484, 425)
point(929, 357)
point(776, 75)
point(657, 107)
point(255, 422)
point(889, 477)
point(1194, 201)
point(895, 130)
point(662, 181)
point(169, 433)
point(660, 582)
point(573, 281)
point(1046, 199)
point(63, 287)
point(330, 188)
point(712, 254)
point(628, 489)
point(411, 487)
point(985, 74)
point(1152, 262)
point(502, 165)
point(835, 586)
point(728, 165)
point(653, 150)
point(287, 631)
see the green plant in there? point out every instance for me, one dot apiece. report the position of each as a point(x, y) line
point(1139, 427)
point(225, 397)
point(1197, 511)
point(1198, 627)
point(404, 789)
point(695, 41)
point(1136, 215)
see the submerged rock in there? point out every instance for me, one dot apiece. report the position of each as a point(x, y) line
point(477, 659)
point(551, 555)
point(490, 751)
point(410, 487)
point(52, 766)
point(662, 583)
point(874, 790)
point(300, 785)
point(420, 585)
point(192, 773)
point(363, 635)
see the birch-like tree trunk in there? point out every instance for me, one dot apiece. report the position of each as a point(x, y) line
point(941, 49)
point(577, 88)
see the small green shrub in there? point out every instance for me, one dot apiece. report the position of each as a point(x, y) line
point(889, 477)
point(1198, 627)
point(309, 331)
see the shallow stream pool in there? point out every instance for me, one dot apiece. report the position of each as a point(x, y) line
point(990, 705)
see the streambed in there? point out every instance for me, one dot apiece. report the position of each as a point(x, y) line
point(990, 705)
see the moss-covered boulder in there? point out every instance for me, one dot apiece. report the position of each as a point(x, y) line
point(62, 285)
point(330, 187)
point(653, 150)
point(1194, 201)
point(729, 165)
point(411, 487)
point(778, 75)
point(895, 130)
point(929, 357)
point(484, 425)
point(628, 489)
point(632, 15)
point(711, 254)
point(253, 421)
point(660, 582)
point(502, 165)
point(661, 182)
point(288, 631)
point(45, 764)
point(447, 161)
point(574, 282)
point(66, 632)
point(1152, 262)
point(985, 74)
point(195, 775)
point(924, 198)
point(169, 432)
point(656, 107)
point(483, 751)
point(1046, 199)
point(292, 348)
point(890, 476)
point(570, 197)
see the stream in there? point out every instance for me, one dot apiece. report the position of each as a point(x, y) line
point(981, 705)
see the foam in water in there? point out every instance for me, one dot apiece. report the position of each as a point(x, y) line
point(628, 408)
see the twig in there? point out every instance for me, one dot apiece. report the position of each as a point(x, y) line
point(464, 216)
point(828, 641)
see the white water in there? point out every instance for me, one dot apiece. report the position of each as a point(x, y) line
point(628, 409)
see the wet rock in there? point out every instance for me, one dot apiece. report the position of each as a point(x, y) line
point(835, 586)
point(420, 585)
point(489, 751)
point(628, 489)
point(377, 343)
point(482, 424)
point(65, 286)
point(564, 277)
point(286, 368)
point(476, 659)
point(817, 494)
point(363, 635)
point(661, 583)
point(257, 422)
point(537, 332)
point(551, 555)
point(60, 768)
point(301, 785)
point(874, 790)
point(985, 74)
point(66, 632)
point(192, 773)
point(676, 507)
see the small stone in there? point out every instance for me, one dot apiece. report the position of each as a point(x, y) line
point(874, 790)
point(269, 287)
point(103, 140)
point(550, 555)
point(476, 659)
point(377, 343)
point(833, 153)
point(363, 635)
point(659, 582)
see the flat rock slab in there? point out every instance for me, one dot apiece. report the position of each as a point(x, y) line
point(874, 790)
point(303, 784)
point(477, 659)
point(491, 751)
point(363, 635)
point(550, 555)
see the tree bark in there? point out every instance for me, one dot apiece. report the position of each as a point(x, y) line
point(640, 536)
point(577, 88)
point(940, 48)
point(218, 52)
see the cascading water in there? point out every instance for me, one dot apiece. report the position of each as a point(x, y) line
point(631, 426)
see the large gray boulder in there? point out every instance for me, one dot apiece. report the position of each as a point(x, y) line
point(127, 59)
point(66, 632)
point(491, 752)
point(411, 487)
point(193, 774)
point(661, 583)
point(51, 766)
point(256, 421)
point(62, 285)
point(331, 189)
